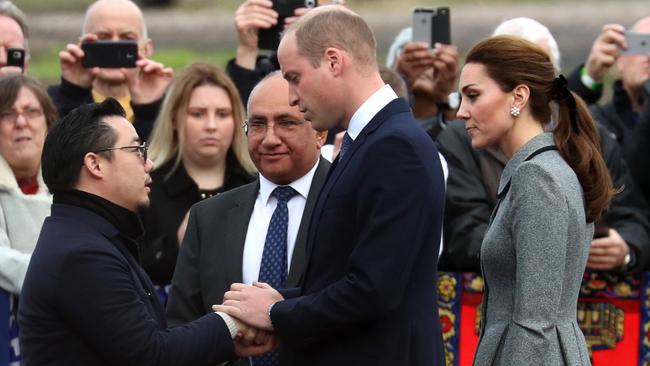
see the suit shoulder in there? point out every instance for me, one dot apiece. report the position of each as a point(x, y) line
point(228, 198)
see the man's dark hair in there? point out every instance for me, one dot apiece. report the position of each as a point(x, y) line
point(82, 131)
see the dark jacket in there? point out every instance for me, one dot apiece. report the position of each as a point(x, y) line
point(68, 96)
point(246, 79)
point(86, 301)
point(471, 196)
point(171, 197)
point(631, 130)
point(369, 293)
point(211, 258)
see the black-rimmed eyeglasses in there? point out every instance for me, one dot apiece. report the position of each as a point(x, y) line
point(141, 150)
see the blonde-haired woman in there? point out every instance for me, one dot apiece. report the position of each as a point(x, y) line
point(199, 150)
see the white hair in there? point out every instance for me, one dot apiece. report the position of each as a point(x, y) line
point(395, 49)
point(533, 31)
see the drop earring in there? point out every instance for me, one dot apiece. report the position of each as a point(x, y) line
point(515, 111)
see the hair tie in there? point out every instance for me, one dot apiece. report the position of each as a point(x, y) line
point(560, 92)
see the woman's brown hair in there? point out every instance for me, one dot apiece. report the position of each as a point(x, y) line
point(512, 61)
point(10, 86)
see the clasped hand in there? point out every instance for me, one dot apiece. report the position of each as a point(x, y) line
point(249, 305)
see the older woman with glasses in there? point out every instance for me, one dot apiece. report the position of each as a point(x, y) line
point(199, 150)
point(26, 114)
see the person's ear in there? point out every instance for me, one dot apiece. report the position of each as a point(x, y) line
point(321, 137)
point(521, 94)
point(93, 165)
point(148, 48)
point(334, 60)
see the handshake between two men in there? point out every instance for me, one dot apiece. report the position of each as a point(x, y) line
point(250, 305)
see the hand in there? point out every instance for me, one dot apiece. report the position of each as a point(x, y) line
point(71, 69)
point(607, 253)
point(148, 81)
point(250, 303)
point(296, 15)
point(445, 71)
point(250, 17)
point(604, 51)
point(180, 233)
point(415, 59)
point(263, 343)
point(8, 70)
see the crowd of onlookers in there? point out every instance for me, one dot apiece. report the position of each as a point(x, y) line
point(172, 109)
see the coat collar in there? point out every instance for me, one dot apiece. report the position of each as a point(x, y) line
point(8, 179)
point(542, 140)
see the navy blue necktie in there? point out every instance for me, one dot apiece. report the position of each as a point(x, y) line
point(345, 145)
point(273, 269)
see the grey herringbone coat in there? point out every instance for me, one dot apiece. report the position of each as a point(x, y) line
point(533, 256)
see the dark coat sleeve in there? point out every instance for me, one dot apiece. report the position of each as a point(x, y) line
point(185, 299)
point(107, 306)
point(628, 213)
point(639, 153)
point(246, 79)
point(68, 96)
point(467, 207)
point(575, 84)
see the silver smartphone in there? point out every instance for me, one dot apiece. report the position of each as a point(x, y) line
point(423, 25)
point(637, 43)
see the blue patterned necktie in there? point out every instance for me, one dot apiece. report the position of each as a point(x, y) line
point(273, 269)
point(345, 145)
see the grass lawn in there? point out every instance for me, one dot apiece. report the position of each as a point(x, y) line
point(80, 5)
point(45, 64)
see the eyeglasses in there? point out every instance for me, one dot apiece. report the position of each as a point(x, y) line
point(11, 116)
point(141, 150)
point(282, 127)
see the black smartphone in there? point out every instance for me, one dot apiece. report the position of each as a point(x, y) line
point(601, 229)
point(16, 57)
point(269, 39)
point(110, 54)
point(441, 32)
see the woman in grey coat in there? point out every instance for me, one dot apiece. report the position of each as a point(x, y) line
point(554, 186)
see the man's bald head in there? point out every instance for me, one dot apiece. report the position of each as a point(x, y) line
point(126, 10)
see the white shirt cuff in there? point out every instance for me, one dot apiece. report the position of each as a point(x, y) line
point(230, 322)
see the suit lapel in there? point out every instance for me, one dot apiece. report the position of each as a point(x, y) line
point(237, 225)
point(397, 105)
point(299, 251)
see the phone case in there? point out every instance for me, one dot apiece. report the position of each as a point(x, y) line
point(269, 39)
point(637, 43)
point(423, 25)
point(110, 54)
point(441, 27)
point(16, 57)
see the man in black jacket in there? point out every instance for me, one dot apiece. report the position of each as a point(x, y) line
point(85, 299)
point(139, 90)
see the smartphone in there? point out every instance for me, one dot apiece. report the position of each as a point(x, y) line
point(16, 57)
point(269, 39)
point(423, 25)
point(441, 27)
point(431, 26)
point(637, 43)
point(601, 229)
point(110, 54)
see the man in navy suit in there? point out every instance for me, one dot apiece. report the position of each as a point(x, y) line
point(369, 291)
point(85, 300)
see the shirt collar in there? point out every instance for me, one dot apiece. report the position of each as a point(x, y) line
point(369, 109)
point(301, 185)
